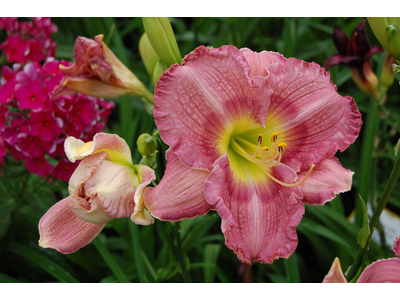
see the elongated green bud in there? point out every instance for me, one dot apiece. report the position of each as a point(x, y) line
point(148, 55)
point(161, 36)
point(387, 31)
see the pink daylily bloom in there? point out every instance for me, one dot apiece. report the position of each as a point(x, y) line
point(104, 186)
point(255, 136)
point(380, 271)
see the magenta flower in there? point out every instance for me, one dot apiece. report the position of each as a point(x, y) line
point(15, 49)
point(380, 271)
point(31, 96)
point(253, 136)
point(28, 41)
point(41, 128)
point(105, 185)
point(44, 124)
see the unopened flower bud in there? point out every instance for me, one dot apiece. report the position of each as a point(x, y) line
point(161, 36)
point(148, 55)
point(387, 75)
point(98, 72)
point(387, 31)
point(159, 68)
point(146, 144)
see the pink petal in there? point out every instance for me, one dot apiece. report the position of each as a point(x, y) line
point(396, 248)
point(314, 120)
point(141, 216)
point(180, 194)
point(84, 170)
point(326, 180)
point(114, 187)
point(335, 274)
point(384, 270)
point(260, 218)
point(116, 148)
point(194, 103)
point(62, 230)
point(260, 61)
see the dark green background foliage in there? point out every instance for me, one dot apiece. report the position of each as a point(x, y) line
point(126, 252)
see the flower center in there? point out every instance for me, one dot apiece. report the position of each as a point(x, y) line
point(263, 157)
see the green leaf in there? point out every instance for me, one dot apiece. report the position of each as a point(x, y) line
point(364, 231)
point(211, 253)
point(396, 149)
point(292, 269)
point(109, 259)
point(315, 228)
point(8, 279)
point(4, 225)
point(42, 261)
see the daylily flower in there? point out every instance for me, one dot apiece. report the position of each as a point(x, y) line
point(253, 136)
point(356, 53)
point(105, 185)
point(98, 72)
point(380, 271)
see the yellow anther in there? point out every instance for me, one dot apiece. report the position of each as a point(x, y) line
point(260, 139)
point(274, 136)
point(265, 148)
point(281, 145)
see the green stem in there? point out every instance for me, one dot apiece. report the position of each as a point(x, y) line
point(149, 97)
point(394, 176)
point(366, 155)
point(185, 273)
point(134, 232)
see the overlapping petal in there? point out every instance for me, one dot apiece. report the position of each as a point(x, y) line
point(180, 193)
point(259, 218)
point(140, 215)
point(116, 147)
point(259, 62)
point(326, 180)
point(314, 120)
point(61, 229)
point(196, 102)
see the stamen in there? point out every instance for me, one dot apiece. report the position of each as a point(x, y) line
point(265, 148)
point(274, 136)
point(292, 184)
point(260, 139)
point(281, 145)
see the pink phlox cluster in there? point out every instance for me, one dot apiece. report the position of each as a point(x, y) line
point(28, 40)
point(34, 126)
